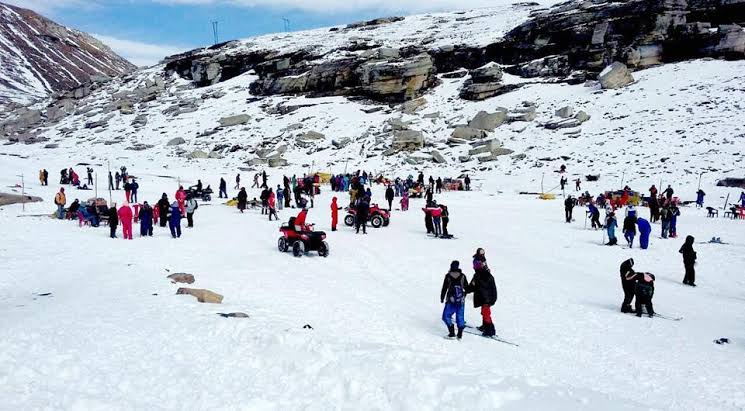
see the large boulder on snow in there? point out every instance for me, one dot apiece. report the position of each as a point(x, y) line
point(407, 140)
point(468, 133)
point(234, 120)
point(438, 158)
point(202, 295)
point(396, 79)
point(176, 141)
point(615, 76)
point(181, 278)
point(488, 121)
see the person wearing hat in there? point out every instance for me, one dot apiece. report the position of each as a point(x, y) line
point(484, 295)
point(60, 200)
point(610, 225)
point(453, 295)
point(146, 220)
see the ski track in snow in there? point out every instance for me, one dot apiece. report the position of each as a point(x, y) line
point(104, 341)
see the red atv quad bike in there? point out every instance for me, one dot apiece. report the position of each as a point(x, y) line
point(379, 217)
point(302, 241)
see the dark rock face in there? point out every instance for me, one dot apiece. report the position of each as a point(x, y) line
point(590, 35)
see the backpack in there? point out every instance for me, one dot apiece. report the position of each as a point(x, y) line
point(457, 293)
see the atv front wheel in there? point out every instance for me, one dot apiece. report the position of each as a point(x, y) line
point(298, 249)
point(349, 220)
point(323, 249)
point(376, 221)
point(282, 245)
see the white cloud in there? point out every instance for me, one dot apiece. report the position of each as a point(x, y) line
point(140, 54)
point(325, 6)
point(47, 7)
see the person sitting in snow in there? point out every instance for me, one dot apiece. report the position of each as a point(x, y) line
point(454, 289)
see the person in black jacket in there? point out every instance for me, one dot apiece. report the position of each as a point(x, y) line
point(445, 221)
point(689, 260)
point(389, 196)
point(569, 204)
point(163, 207)
point(454, 288)
point(146, 220)
point(223, 188)
point(242, 199)
point(629, 229)
point(643, 291)
point(113, 220)
point(484, 295)
point(363, 211)
point(627, 285)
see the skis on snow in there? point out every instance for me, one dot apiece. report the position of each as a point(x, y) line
point(474, 331)
point(664, 317)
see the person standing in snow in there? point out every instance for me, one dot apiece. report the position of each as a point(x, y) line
point(125, 217)
point(643, 291)
point(405, 201)
point(742, 199)
point(280, 197)
point(111, 181)
point(700, 198)
point(60, 200)
point(654, 205)
point(629, 229)
point(454, 289)
point(46, 178)
point(689, 261)
point(594, 216)
point(174, 221)
point(644, 230)
point(237, 181)
point(363, 212)
point(569, 204)
point(389, 197)
point(272, 205)
point(578, 185)
point(435, 214)
point(669, 193)
point(445, 221)
point(181, 200)
point(163, 205)
point(256, 181)
point(134, 186)
point(563, 182)
point(610, 226)
point(191, 207)
point(146, 220)
point(128, 191)
point(334, 214)
point(113, 220)
point(118, 180)
point(627, 269)
point(223, 188)
point(242, 199)
point(438, 185)
point(484, 295)
point(674, 214)
point(467, 180)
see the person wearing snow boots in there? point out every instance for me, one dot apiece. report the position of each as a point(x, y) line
point(125, 217)
point(223, 188)
point(700, 198)
point(242, 199)
point(272, 206)
point(163, 206)
point(674, 214)
point(453, 295)
point(629, 229)
point(689, 261)
point(594, 216)
point(405, 201)
point(665, 221)
point(610, 226)
point(363, 212)
point(627, 268)
point(569, 204)
point(146, 220)
point(191, 207)
point(113, 221)
point(445, 221)
point(484, 295)
point(643, 292)
point(174, 221)
point(644, 230)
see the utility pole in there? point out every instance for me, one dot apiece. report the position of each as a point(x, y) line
point(286, 22)
point(23, 193)
point(108, 165)
point(215, 31)
point(699, 180)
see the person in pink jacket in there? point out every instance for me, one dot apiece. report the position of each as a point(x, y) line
point(272, 202)
point(125, 219)
point(181, 198)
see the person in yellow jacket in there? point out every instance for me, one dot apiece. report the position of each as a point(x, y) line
point(60, 200)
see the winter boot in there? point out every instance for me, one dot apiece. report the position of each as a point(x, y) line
point(460, 332)
point(488, 330)
point(451, 333)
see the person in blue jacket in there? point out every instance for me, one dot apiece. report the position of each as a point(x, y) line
point(674, 214)
point(595, 216)
point(610, 225)
point(454, 288)
point(174, 221)
point(644, 230)
point(700, 198)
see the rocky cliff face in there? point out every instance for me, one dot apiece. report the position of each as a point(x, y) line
point(572, 41)
point(39, 57)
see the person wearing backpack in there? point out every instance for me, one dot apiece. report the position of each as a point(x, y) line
point(191, 207)
point(484, 295)
point(689, 261)
point(627, 285)
point(643, 291)
point(453, 295)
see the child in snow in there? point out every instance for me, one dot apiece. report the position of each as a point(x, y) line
point(405, 201)
point(484, 295)
point(610, 226)
point(454, 288)
point(643, 291)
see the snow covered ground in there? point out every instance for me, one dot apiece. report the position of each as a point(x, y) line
point(113, 334)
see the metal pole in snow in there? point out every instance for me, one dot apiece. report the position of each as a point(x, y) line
point(623, 177)
point(699, 180)
point(108, 165)
point(23, 193)
point(542, 175)
point(725, 202)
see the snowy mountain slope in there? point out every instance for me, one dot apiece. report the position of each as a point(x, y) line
point(39, 57)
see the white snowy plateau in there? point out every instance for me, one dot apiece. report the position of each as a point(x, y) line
point(92, 323)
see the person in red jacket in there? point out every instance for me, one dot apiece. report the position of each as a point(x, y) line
point(300, 220)
point(436, 213)
point(334, 214)
point(181, 198)
point(125, 218)
point(272, 202)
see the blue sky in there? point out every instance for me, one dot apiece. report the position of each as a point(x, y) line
point(144, 31)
